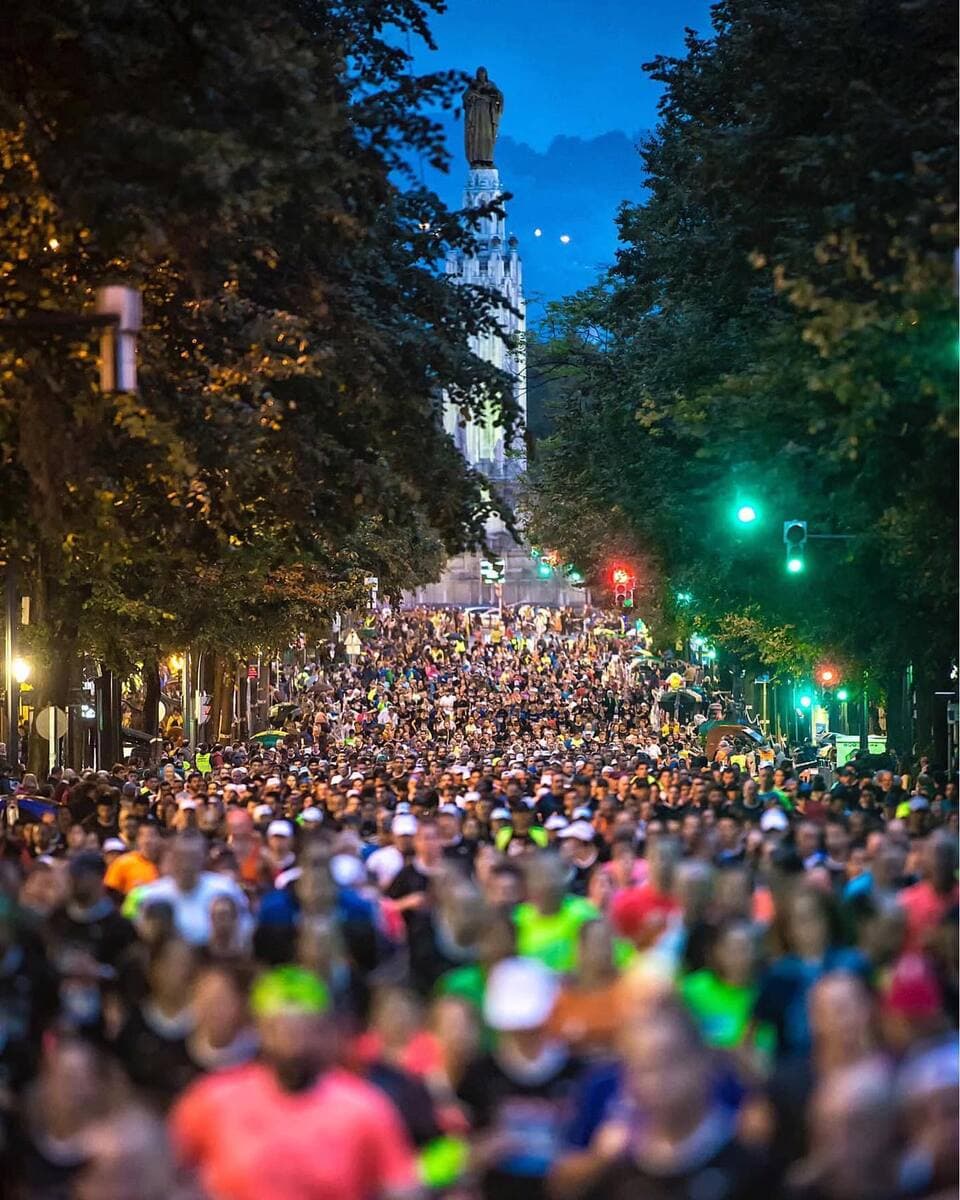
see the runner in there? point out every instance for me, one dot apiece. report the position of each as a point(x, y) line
point(488, 921)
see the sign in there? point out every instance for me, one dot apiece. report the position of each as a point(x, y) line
point(762, 679)
point(252, 671)
point(352, 643)
point(371, 581)
point(493, 570)
point(42, 723)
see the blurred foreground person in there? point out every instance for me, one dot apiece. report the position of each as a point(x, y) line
point(291, 1125)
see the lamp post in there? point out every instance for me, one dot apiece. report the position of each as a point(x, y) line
point(11, 687)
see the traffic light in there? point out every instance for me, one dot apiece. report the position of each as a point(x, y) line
point(805, 700)
point(544, 570)
point(843, 695)
point(794, 539)
point(828, 675)
point(747, 514)
point(622, 581)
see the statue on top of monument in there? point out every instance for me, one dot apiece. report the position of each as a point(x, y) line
point(482, 106)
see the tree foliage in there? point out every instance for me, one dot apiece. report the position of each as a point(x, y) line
point(246, 167)
point(780, 326)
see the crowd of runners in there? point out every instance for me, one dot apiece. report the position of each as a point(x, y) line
point(486, 922)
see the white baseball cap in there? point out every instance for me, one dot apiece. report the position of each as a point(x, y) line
point(581, 830)
point(404, 825)
point(521, 994)
point(556, 821)
point(774, 819)
point(280, 829)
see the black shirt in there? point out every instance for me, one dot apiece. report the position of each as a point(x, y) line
point(533, 1114)
point(730, 1173)
point(100, 931)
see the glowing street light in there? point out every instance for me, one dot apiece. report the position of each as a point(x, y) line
point(21, 670)
point(565, 238)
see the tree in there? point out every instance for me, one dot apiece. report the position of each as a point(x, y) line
point(248, 175)
point(781, 325)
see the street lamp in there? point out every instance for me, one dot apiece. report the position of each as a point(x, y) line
point(21, 670)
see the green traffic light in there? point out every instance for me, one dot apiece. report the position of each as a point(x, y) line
point(575, 577)
point(684, 597)
point(805, 701)
point(843, 694)
point(746, 514)
point(544, 570)
point(794, 564)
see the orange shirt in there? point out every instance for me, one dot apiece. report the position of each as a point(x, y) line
point(250, 1140)
point(130, 870)
point(588, 1018)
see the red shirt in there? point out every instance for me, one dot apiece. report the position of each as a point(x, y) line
point(925, 908)
point(250, 1140)
point(639, 913)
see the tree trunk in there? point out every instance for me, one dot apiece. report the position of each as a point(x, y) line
point(923, 713)
point(899, 722)
point(52, 688)
point(151, 694)
point(229, 675)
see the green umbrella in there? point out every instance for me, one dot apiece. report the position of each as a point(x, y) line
point(269, 737)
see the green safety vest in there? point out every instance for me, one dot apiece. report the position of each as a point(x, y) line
point(537, 834)
point(204, 763)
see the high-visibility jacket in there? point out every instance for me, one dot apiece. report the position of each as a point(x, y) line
point(204, 763)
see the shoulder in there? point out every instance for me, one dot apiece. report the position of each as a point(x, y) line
point(354, 1097)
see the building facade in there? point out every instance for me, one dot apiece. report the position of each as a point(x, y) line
point(496, 265)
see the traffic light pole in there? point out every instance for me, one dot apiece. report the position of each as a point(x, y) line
point(864, 708)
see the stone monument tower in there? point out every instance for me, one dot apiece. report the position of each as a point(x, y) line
point(495, 265)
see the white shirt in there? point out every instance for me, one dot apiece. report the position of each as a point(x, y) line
point(191, 910)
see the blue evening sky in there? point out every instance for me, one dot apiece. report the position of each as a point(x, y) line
point(566, 66)
point(576, 103)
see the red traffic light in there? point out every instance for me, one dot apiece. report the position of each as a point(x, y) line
point(828, 675)
point(620, 576)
